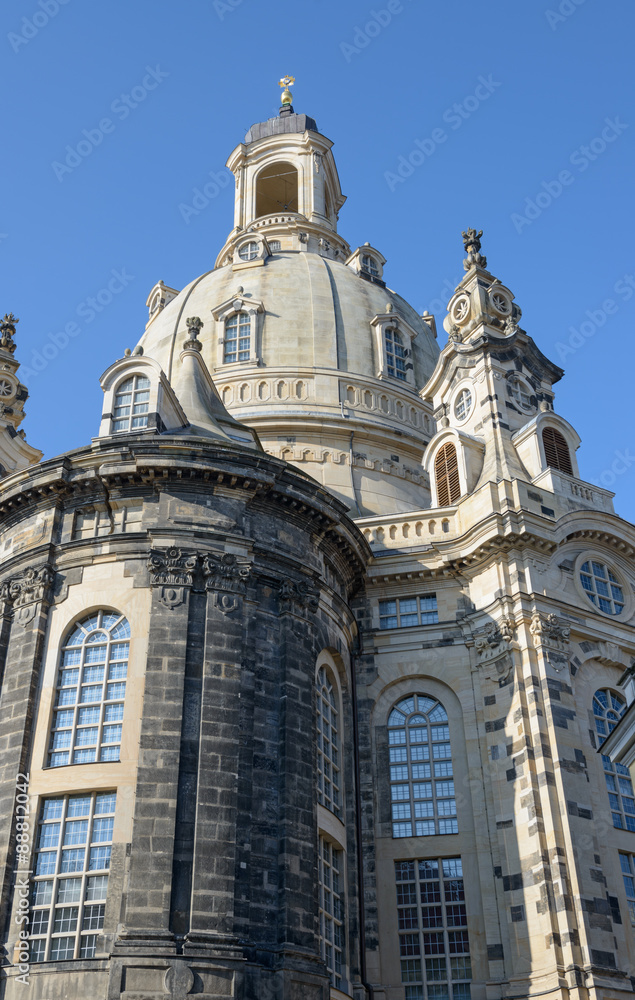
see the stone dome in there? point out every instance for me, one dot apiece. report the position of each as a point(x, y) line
point(302, 336)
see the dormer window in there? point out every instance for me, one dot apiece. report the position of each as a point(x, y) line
point(132, 402)
point(370, 265)
point(237, 337)
point(249, 251)
point(395, 354)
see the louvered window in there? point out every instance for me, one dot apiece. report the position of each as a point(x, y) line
point(556, 450)
point(446, 472)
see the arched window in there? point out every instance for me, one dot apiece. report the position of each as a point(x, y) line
point(421, 774)
point(91, 687)
point(556, 450)
point(395, 354)
point(237, 338)
point(277, 189)
point(608, 708)
point(446, 474)
point(329, 791)
point(132, 401)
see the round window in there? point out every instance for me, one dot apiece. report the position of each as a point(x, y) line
point(500, 303)
point(461, 309)
point(602, 587)
point(463, 404)
point(248, 251)
point(521, 394)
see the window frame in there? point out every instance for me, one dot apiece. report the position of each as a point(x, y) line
point(335, 946)
point(419, 762)
point(628, 872)
point(134, 391)
point(329, 760)
point(236, 315)
point(611, 579)
point(429, 940)
point(75, 658)
point(616, 776)
point(59, 879)
point(399, 613)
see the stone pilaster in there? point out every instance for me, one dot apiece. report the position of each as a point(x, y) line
point(147, 909)
point(24, 612)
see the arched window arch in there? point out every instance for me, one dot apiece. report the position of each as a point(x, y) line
point(329, 739)
point(421, 773)
point(446, 475)
point(277, 189)
point(91, 687)
point(608, 708)
point(237, 345)
point(557, 453)
point(131, 404)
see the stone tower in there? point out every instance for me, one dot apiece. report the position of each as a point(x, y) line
point(306, 659)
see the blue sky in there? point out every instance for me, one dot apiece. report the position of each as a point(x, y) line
point(534, 101)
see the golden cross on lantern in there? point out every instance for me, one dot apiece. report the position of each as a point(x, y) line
point(287, 96)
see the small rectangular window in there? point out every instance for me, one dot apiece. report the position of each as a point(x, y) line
point(408, 611)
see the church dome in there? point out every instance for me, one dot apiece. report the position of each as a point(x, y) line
point(305, 342)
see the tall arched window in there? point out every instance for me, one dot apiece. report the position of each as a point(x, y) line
point(556, 450)
point(91, 687)
point(329, 791)
point(395, 354)
point(237, 338)
point(608, 707)
point(446, 475)
point(421, 774)
point(132, 402)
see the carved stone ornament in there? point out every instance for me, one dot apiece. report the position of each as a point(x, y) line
point(496, 635)
point(194, 327)
point(302, 594)
point(23, 592)
point(172, 570)
point(171, 567)
point(7, 332)
point(494, 646)
point(226, 603)
point(472, 244)
point(552, 634)
point(549, 629)
point(226, 572)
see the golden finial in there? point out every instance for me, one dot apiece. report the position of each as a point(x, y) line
point(287, 96)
